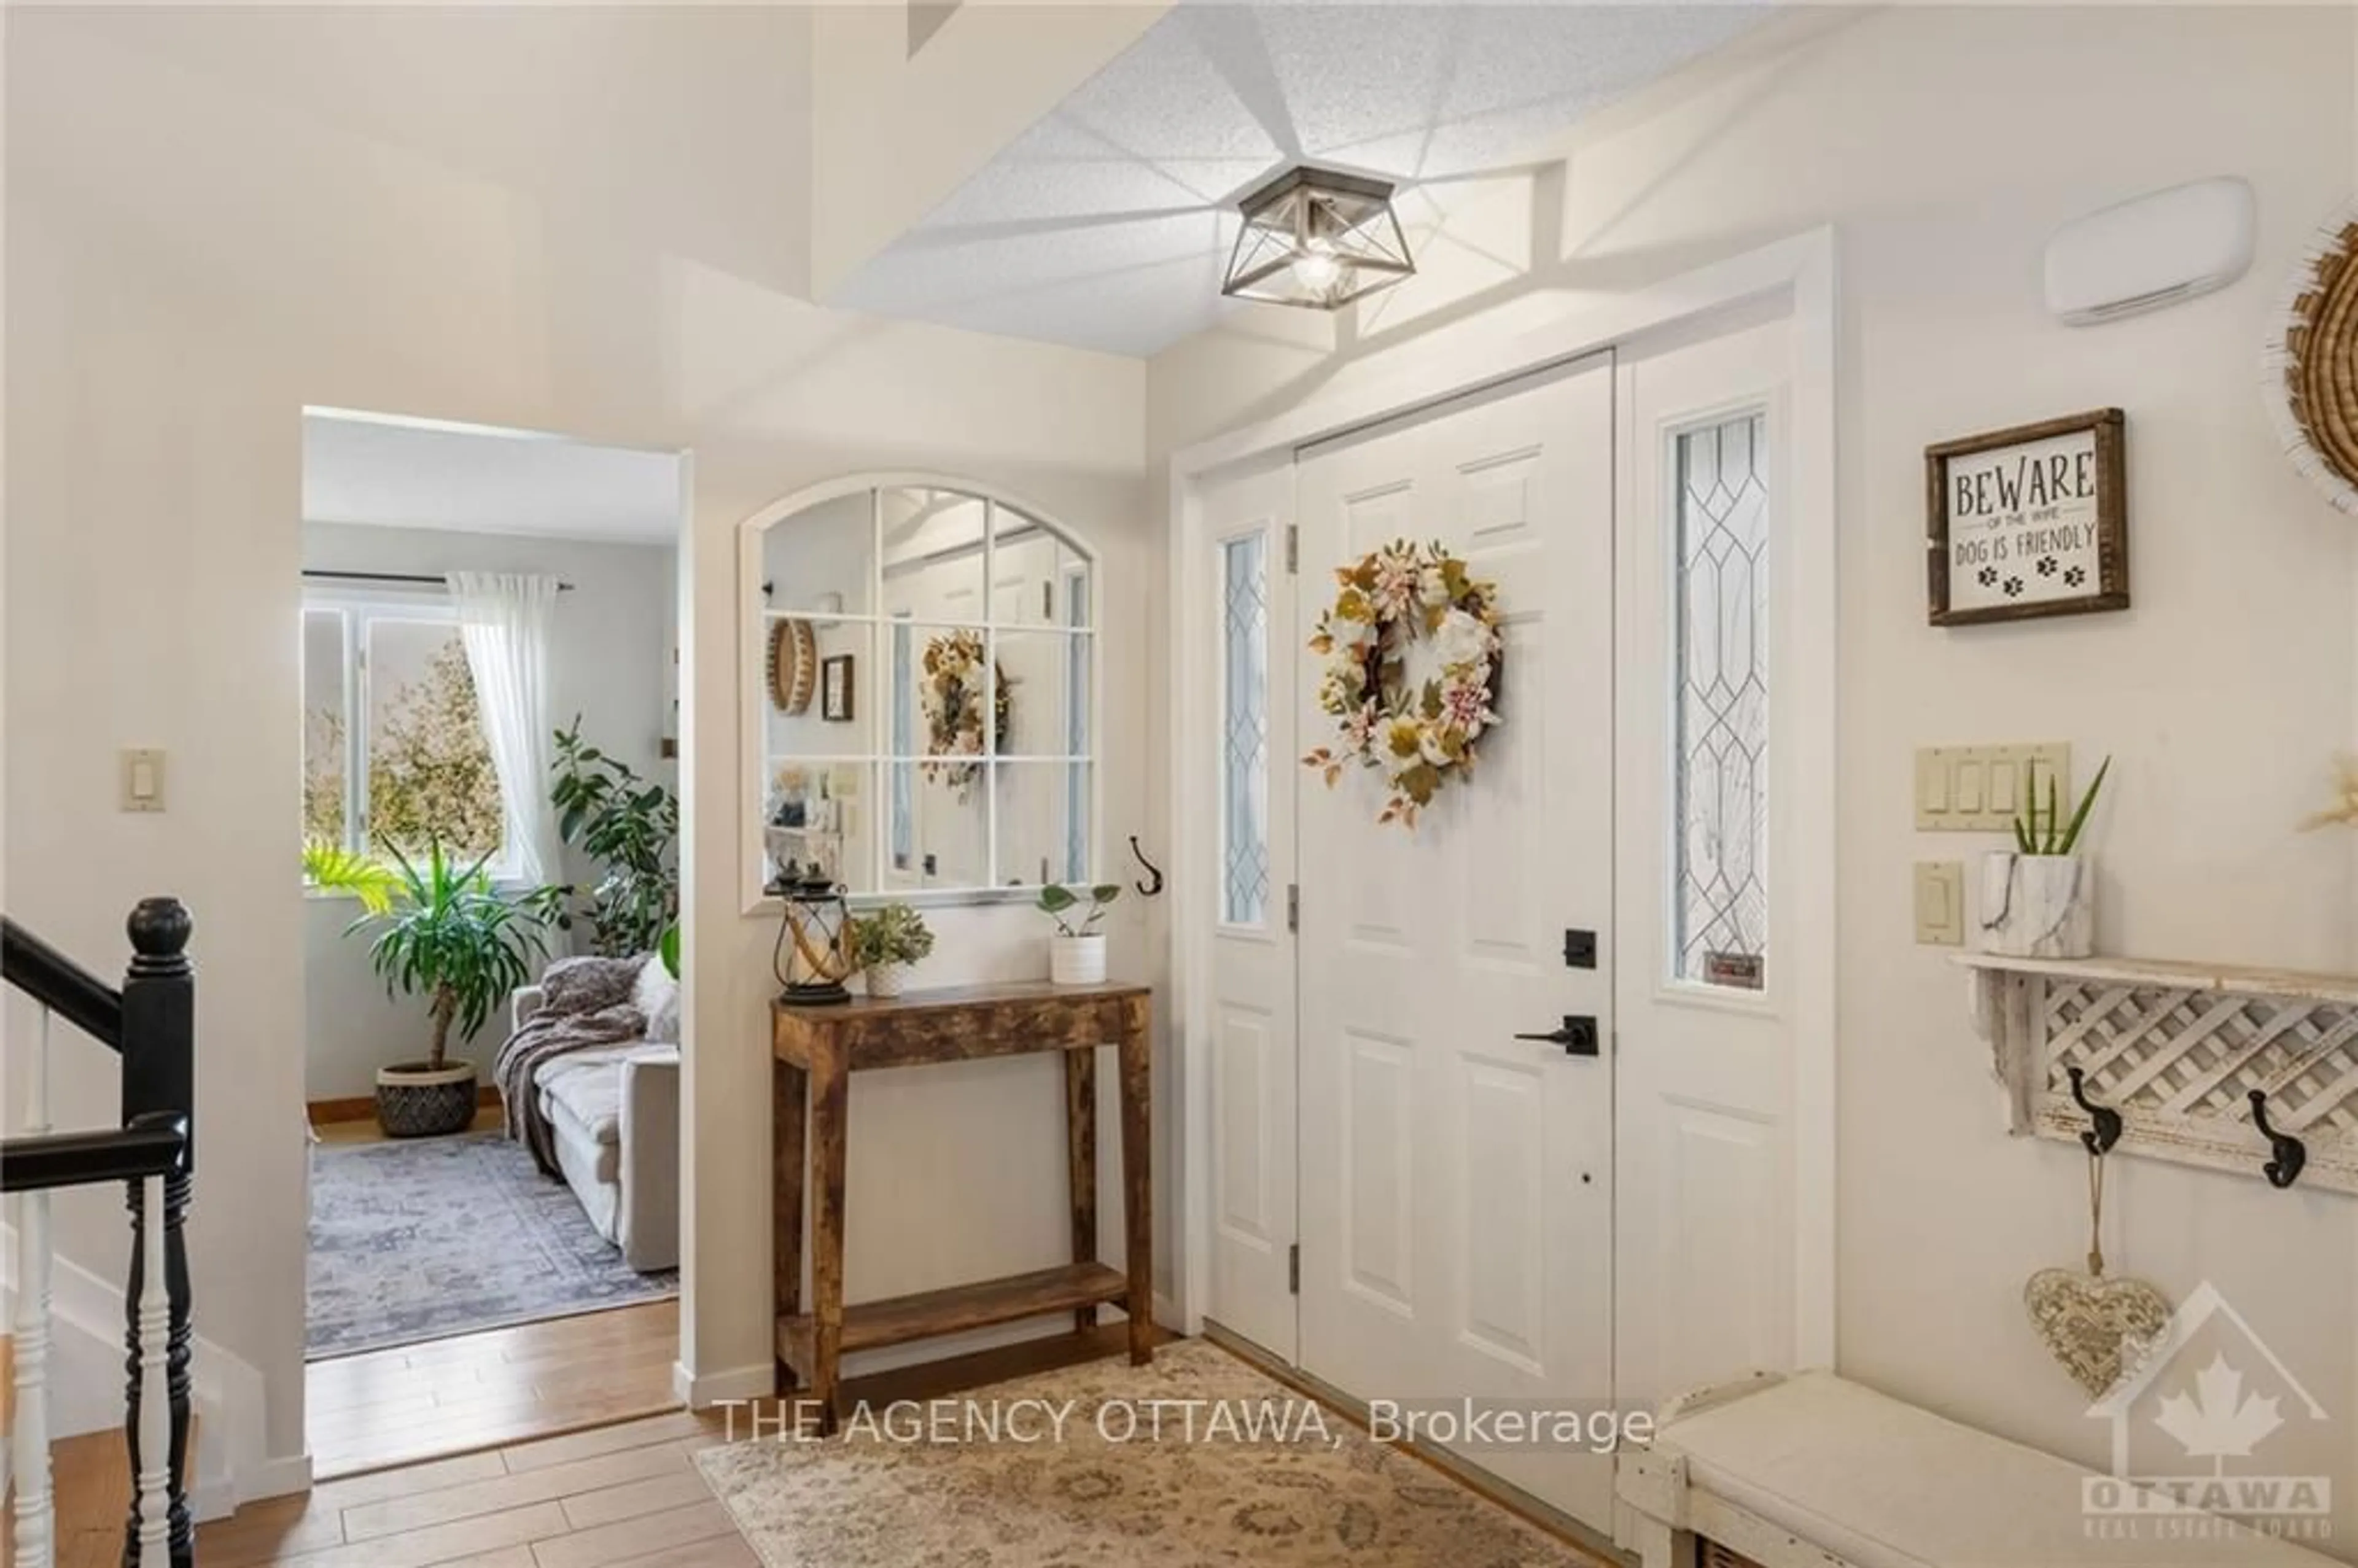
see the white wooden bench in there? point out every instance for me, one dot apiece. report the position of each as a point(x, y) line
point(1814, 1471)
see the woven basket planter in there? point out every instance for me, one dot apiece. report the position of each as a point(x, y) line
point(414, 1100)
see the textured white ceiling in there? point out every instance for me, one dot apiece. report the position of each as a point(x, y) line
point(401, 473)
point(1108, 224)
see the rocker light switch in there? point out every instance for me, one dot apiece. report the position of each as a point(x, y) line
point(1941, 903)
point(1980, 789)
point(143, 780)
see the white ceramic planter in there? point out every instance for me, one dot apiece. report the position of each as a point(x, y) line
point(2038, 906)
point(886, 982)
point(1076, 960)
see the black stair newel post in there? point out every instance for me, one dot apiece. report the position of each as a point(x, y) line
point(159, 1061)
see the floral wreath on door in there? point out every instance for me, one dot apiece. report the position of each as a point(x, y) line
point(1417, 732)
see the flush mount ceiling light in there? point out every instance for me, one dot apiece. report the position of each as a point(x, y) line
point(1319, 240)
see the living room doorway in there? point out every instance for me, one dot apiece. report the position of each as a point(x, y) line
point(490, 636)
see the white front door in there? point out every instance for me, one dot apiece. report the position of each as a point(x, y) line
point(1704, 1266)
point(1456, 1181)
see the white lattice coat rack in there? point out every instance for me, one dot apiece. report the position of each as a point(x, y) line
point(2177, 1049)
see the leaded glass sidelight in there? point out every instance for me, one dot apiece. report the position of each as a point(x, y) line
point(1720, 896)
point(1244, 702)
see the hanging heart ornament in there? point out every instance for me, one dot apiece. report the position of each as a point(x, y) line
point(2096, 1328)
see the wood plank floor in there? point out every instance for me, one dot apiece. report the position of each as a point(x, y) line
point(479, 1390)
point(614, 1496)
point(611, 1496)
point(622, 1496)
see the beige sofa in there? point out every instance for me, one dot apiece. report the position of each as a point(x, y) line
point(615, 1113)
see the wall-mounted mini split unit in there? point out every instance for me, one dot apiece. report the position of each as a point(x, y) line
point(2154, 250)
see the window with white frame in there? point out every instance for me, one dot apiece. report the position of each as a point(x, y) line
point(927, 695)
point(395, 756)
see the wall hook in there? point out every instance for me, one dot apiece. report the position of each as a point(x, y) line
point(2290, 1153)
point(1146, 889)
point(2099, 1139)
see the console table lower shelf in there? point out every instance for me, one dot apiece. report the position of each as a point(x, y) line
point(817, 1049)
point(871, 1326)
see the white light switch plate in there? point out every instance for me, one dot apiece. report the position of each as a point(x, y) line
point(1941, 903)
point(1979, 789)
point(143, 779)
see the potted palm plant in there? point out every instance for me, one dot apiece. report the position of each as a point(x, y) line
point(444, 932)
point(885, 944)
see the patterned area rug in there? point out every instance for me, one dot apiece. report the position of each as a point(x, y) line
point(424, 1237)
point(898, 1488)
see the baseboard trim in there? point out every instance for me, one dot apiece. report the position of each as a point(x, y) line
point(364, 1107)
point(734, 1383)
point(283, 1475)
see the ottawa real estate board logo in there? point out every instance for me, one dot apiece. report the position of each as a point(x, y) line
point(2209, 1426)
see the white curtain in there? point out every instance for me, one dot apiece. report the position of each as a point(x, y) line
point(504, 618)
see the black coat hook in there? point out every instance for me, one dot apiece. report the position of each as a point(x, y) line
point(2290, 1153)
point(1146, 889)
point(2099, 1139)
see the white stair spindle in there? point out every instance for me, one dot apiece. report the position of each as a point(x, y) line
point(154, 1389)
point(29, 1436)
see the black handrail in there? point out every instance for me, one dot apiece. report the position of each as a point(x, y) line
point(155, 1145)
point(151, 1023)
point(60, 984)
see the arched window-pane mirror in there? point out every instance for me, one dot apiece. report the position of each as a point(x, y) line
point(928, 694)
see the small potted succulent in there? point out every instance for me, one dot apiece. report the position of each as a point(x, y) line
point(1076, 953)
point(2038, 899)
point(885, 944)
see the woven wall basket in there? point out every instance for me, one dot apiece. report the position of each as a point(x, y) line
point(2308, 366)
point(794, 666)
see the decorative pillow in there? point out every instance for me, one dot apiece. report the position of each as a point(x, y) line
point(656, 996)
point(585, 985)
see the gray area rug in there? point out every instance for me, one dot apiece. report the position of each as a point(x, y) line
point(424, 1237)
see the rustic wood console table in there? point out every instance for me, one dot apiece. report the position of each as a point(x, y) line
point(817, 1050)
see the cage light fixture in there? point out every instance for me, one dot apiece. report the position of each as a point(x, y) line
point(1317, 239)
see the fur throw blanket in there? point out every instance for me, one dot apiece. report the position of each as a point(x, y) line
point(585, 1004)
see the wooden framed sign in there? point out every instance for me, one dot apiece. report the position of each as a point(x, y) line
point(2032, 521)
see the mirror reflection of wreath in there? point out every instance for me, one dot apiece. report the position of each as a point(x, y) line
point(953, 692)
point(1417, 728)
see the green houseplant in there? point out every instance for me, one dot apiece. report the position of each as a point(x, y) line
point(2038, 899)
point(630, 825)
point(885, 943)
point(1076, 953)
point(444, 932)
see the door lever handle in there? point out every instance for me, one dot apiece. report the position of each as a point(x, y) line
point(1576, 1034)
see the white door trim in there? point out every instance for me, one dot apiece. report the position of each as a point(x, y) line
point(1801, 268)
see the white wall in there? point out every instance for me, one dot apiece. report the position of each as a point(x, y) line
point(579, 219)
point(609, 660)
point(894, 133)
point(1945, 145)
